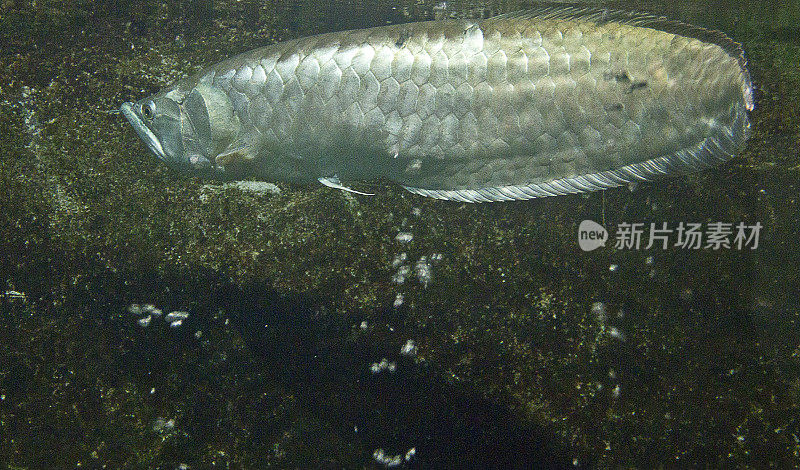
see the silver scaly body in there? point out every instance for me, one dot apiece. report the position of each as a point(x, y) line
point(524, 105)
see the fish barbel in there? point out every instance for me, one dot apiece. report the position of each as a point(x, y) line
point(523, 105)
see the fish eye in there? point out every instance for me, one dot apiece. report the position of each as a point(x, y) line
point(149, 110)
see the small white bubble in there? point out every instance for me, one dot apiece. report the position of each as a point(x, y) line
point(390, 461)
point(12, 294)
point(399, 259)
point(398, 300)
point(599, 310)
point(363, 325)
point(416, 212)
point(401, 274)
point(423, 271)
point(152, 391)
point(198, 334)
point(613, 268)
point(649, 260)
point(144, 322)
point(409, 348)
point(404, 237)
point(162, 425)
point(150, 309)
point(615, 333)
point(377, 367)
point(177, 315)
point(615, 393)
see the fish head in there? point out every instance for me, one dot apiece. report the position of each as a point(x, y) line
point(185, 129)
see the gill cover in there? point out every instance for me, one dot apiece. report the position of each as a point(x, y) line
point(166, 126)
point(209, 124)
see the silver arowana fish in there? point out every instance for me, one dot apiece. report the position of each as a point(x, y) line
point(523, 105)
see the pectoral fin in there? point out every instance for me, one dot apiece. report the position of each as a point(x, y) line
point(238, 151)
point(333, 182)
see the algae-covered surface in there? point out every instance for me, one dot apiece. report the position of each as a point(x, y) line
point(333, 330)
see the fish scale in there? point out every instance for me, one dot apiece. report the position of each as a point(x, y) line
point(512, 107)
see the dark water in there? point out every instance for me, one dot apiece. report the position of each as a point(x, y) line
point(505, 345)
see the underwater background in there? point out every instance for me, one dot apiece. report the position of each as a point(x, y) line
point(311, 328)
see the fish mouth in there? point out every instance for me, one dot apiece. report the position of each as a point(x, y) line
point(144, 132)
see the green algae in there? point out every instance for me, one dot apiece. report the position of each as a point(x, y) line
point(91, 222)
